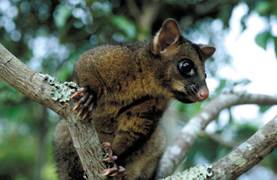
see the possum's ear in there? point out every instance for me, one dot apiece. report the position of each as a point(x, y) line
point(168, 35)
point(206, 50)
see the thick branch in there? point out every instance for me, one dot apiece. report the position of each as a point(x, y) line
point(240, 159)
point(249, 153)
point(26, 81)
point(175, 153)
point(35, 86)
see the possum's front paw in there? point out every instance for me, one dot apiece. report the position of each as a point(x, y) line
point(85, 102)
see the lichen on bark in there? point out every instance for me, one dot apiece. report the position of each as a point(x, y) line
point(61, 91)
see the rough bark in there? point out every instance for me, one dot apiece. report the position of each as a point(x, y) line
point(35, 86)
point(176, 152)
point(238, 161)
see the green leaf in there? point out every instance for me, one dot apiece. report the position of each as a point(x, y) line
point(263, 109)
point(263, 8)
point(61, 15)
point(263, 38)
point(125, 25)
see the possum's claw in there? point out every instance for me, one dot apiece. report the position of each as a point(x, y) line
point(84, 102)
point(110, 159)
point(113, 171)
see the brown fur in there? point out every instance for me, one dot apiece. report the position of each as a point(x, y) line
point(133, 85)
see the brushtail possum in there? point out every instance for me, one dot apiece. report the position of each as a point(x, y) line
point(127, 89)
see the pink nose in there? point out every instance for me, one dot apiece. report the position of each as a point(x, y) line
point(203, 94)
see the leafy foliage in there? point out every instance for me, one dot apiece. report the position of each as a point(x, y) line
point(266, 9)
point(50, 35)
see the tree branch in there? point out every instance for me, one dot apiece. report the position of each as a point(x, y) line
point(48, 92)
point(144, 17)
point(133, 9)
point(248, 153)
point(239, 160)
point(175, 153)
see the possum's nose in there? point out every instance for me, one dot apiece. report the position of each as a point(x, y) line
point(203, 93)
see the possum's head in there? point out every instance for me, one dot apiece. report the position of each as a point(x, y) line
point(182, 70)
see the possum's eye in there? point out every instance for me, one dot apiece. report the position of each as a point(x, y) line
point(186, 67)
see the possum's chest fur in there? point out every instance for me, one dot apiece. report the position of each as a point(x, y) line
point(135, 95)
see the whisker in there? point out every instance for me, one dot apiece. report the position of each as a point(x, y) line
point(193, 88)
point(190, 92)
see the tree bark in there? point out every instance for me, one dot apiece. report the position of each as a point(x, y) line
point(36, 86)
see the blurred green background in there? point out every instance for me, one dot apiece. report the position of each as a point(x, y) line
point(50, 35)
